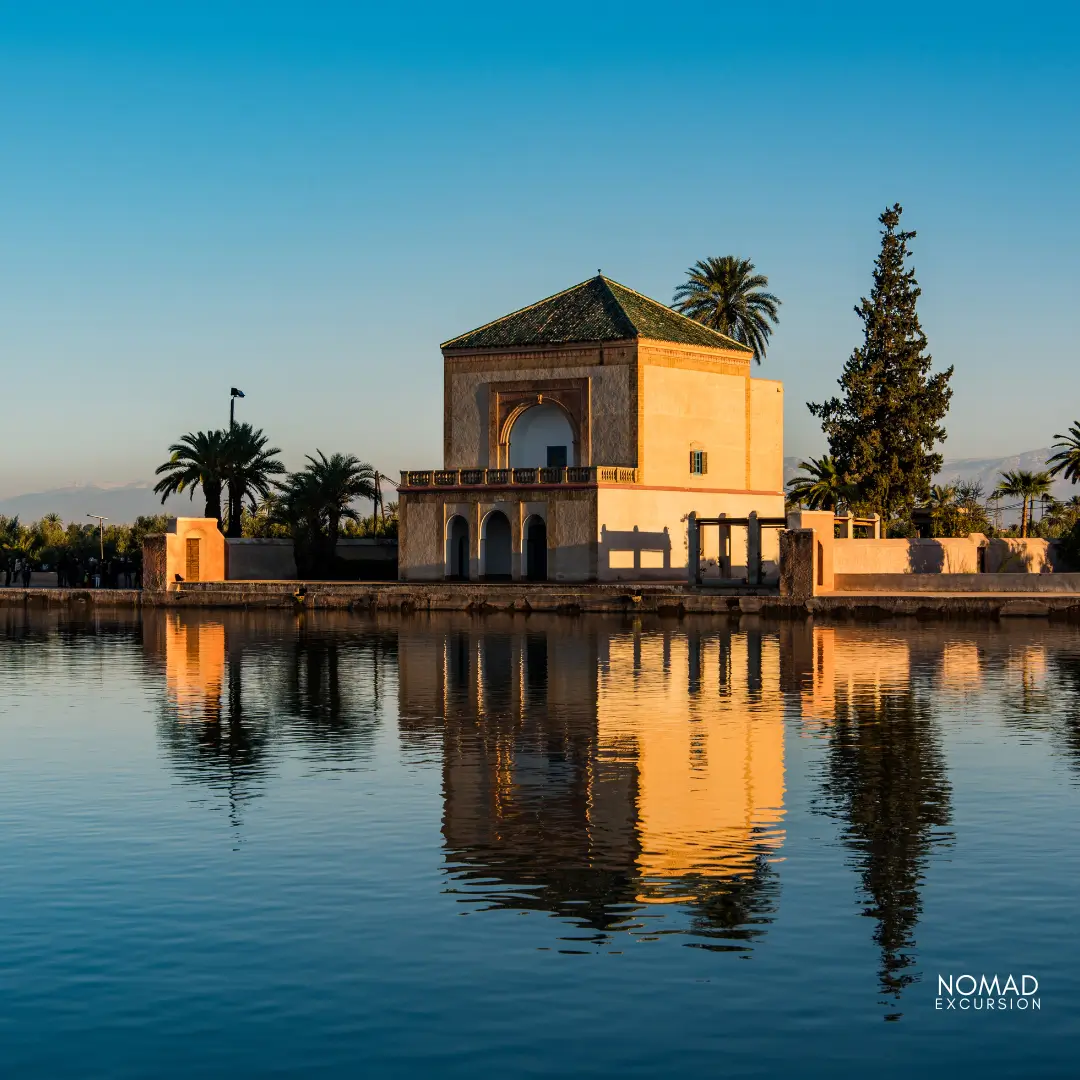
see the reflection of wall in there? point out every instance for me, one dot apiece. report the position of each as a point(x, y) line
point(961, 668)
point(194, 663)
point(852, 663)
point(704, 719)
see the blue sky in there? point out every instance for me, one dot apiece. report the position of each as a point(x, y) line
point(304, 200)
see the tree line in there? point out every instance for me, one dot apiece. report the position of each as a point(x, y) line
point(77, 553)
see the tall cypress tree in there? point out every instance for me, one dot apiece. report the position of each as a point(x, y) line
point(882, 431)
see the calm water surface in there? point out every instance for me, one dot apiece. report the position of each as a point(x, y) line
point(255, 845)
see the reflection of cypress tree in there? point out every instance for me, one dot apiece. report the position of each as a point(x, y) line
point(886, 778)
point(1064, 709)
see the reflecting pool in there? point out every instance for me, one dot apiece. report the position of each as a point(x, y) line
point(242, 843)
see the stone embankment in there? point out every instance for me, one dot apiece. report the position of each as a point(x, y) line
point(655, 599)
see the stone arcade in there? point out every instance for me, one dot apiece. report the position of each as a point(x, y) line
point(578, 435)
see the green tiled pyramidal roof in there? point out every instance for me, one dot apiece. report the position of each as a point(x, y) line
point(596, 310)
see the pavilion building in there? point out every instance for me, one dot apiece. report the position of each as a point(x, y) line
point(578, 435)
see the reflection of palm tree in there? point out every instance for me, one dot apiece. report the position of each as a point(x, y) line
point(321, 690)
point(1043, 695)
point(1065, 712)
point(218, 747)
point(886, 779)
point(318, 687)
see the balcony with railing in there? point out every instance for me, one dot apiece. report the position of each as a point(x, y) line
point(570, 475)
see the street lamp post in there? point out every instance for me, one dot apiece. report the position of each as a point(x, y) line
point(233, 395)
point(101, 519)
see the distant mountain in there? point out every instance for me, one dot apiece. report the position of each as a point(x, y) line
point(120, 503)
point(986, 470)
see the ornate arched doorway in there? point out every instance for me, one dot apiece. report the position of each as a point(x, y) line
point(542, 436)
point(457, 549)
point(536, 548)
point(495, 547)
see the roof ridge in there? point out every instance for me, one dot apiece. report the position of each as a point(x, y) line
point(518, 311)
point(671, 311)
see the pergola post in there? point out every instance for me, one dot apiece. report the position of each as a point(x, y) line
point(693, 551)
point(753, 550)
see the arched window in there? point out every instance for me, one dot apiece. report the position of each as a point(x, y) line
point(542, 436)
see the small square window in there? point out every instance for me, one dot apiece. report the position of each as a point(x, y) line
point(699, 462)
point(556, 457)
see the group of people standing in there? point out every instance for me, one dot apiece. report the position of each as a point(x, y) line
point(73, 573)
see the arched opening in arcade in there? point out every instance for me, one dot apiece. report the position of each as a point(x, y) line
point(495, 547)
point(457, 549)
point(536, 548)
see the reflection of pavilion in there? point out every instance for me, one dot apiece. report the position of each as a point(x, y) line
point(708, 744)
point(592, 768)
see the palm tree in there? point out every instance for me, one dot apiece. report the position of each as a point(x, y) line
point(942, 496)
point(821, 487)
point(1025, 485)
point(249, 467)
point(314, 501)
point(1067, 459)
point(341, 480)
point(299, 507)
point(725, 294)
point(197, 460)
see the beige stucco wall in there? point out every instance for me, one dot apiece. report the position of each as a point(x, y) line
point(421, 551)
point(715, 407)
point(700, 410)
point(766, 435)
point(949, 555)
point(1015, 555)
point(571, 538)
point(660, 517)
point(466, 415)
point(211, 548)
